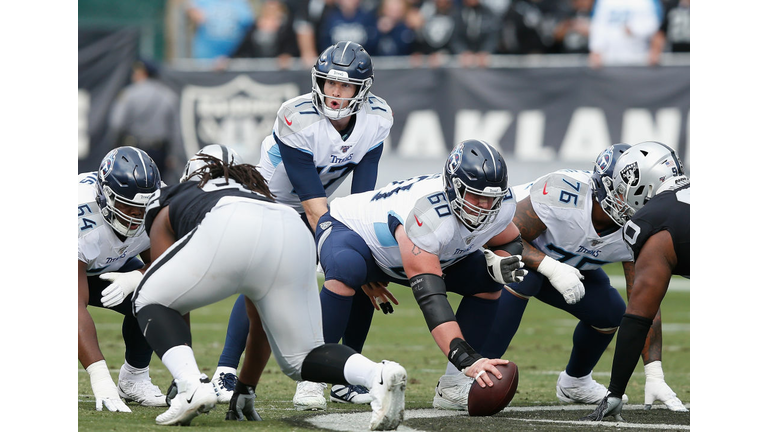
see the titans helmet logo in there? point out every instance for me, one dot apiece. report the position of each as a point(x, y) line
point(604, 161)
point(454, 160)
point(107, 164)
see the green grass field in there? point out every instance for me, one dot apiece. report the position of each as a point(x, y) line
point(540, 349)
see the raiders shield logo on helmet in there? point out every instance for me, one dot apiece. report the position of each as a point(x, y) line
point(630, 174)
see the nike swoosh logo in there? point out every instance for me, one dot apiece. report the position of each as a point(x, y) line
point(193, 395)
point(286, 120)
point(545, 188)
point(417, 220)
point(147, 326)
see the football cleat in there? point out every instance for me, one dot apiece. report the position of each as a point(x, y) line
point(583, 390)
point(452, 391)
point(353, 394)
point(225, 379)
point(309, 396)
point(608, 406)
point(388, 393)
point(194, 397)
point(142, 391)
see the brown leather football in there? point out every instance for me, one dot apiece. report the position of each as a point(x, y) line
point(490, 400)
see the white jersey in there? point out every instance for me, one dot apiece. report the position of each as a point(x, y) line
point(563, 201)
point(97, 243)
point(421, 206)
point(299, 125)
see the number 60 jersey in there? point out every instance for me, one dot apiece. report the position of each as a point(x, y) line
point(421, 206)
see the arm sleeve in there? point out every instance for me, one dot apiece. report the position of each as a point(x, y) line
point(301, 170)
point(364, 178)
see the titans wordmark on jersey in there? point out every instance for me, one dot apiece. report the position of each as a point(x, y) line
point(420, 204)
point(563, 202)
point(97, 243)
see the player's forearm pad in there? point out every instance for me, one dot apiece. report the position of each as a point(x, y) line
point(429, 292)
point(515, 247)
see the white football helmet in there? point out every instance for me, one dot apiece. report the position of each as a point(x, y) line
point(641, 172)
point(220, 152)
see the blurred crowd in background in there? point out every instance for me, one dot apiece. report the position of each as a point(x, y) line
point(612, 32)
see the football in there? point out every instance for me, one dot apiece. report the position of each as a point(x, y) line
point(490, 400)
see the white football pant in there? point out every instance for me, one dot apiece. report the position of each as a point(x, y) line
point(258, 249)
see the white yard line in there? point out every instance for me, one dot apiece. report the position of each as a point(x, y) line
point(359, 421)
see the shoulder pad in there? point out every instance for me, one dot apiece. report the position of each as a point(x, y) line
point(560, 190)
point(88, 218)
point(296, 114)
point(425, 218)
point(379, 107)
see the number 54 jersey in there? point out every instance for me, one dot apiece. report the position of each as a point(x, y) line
point(97, 244)
point(421, 206)
point(563, 202)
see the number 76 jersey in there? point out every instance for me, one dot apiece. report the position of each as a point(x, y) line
point(421, 206)
point(563, 202)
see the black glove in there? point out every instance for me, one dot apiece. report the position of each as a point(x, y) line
point(241, 406)
point(386, 307)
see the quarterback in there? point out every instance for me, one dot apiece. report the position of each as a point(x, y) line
point(318, 139)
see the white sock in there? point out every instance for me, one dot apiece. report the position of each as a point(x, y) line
point(359, 370)
point(451, 369)
point(225, 370)
point(569, 381)
point(130, 373)
point(180, 361)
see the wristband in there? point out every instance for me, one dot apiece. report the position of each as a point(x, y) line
point(461, 354)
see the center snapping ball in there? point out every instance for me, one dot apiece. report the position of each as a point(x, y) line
point(490, 400)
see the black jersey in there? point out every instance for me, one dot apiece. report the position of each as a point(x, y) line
point(670, 211)
point(189, 204)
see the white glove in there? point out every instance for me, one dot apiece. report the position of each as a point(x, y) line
point(104, 388)
point(657, 389)
point(123, 285)
point(564, 278)
point(505, 270)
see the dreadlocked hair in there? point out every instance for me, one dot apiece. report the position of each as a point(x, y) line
point(245, 174)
